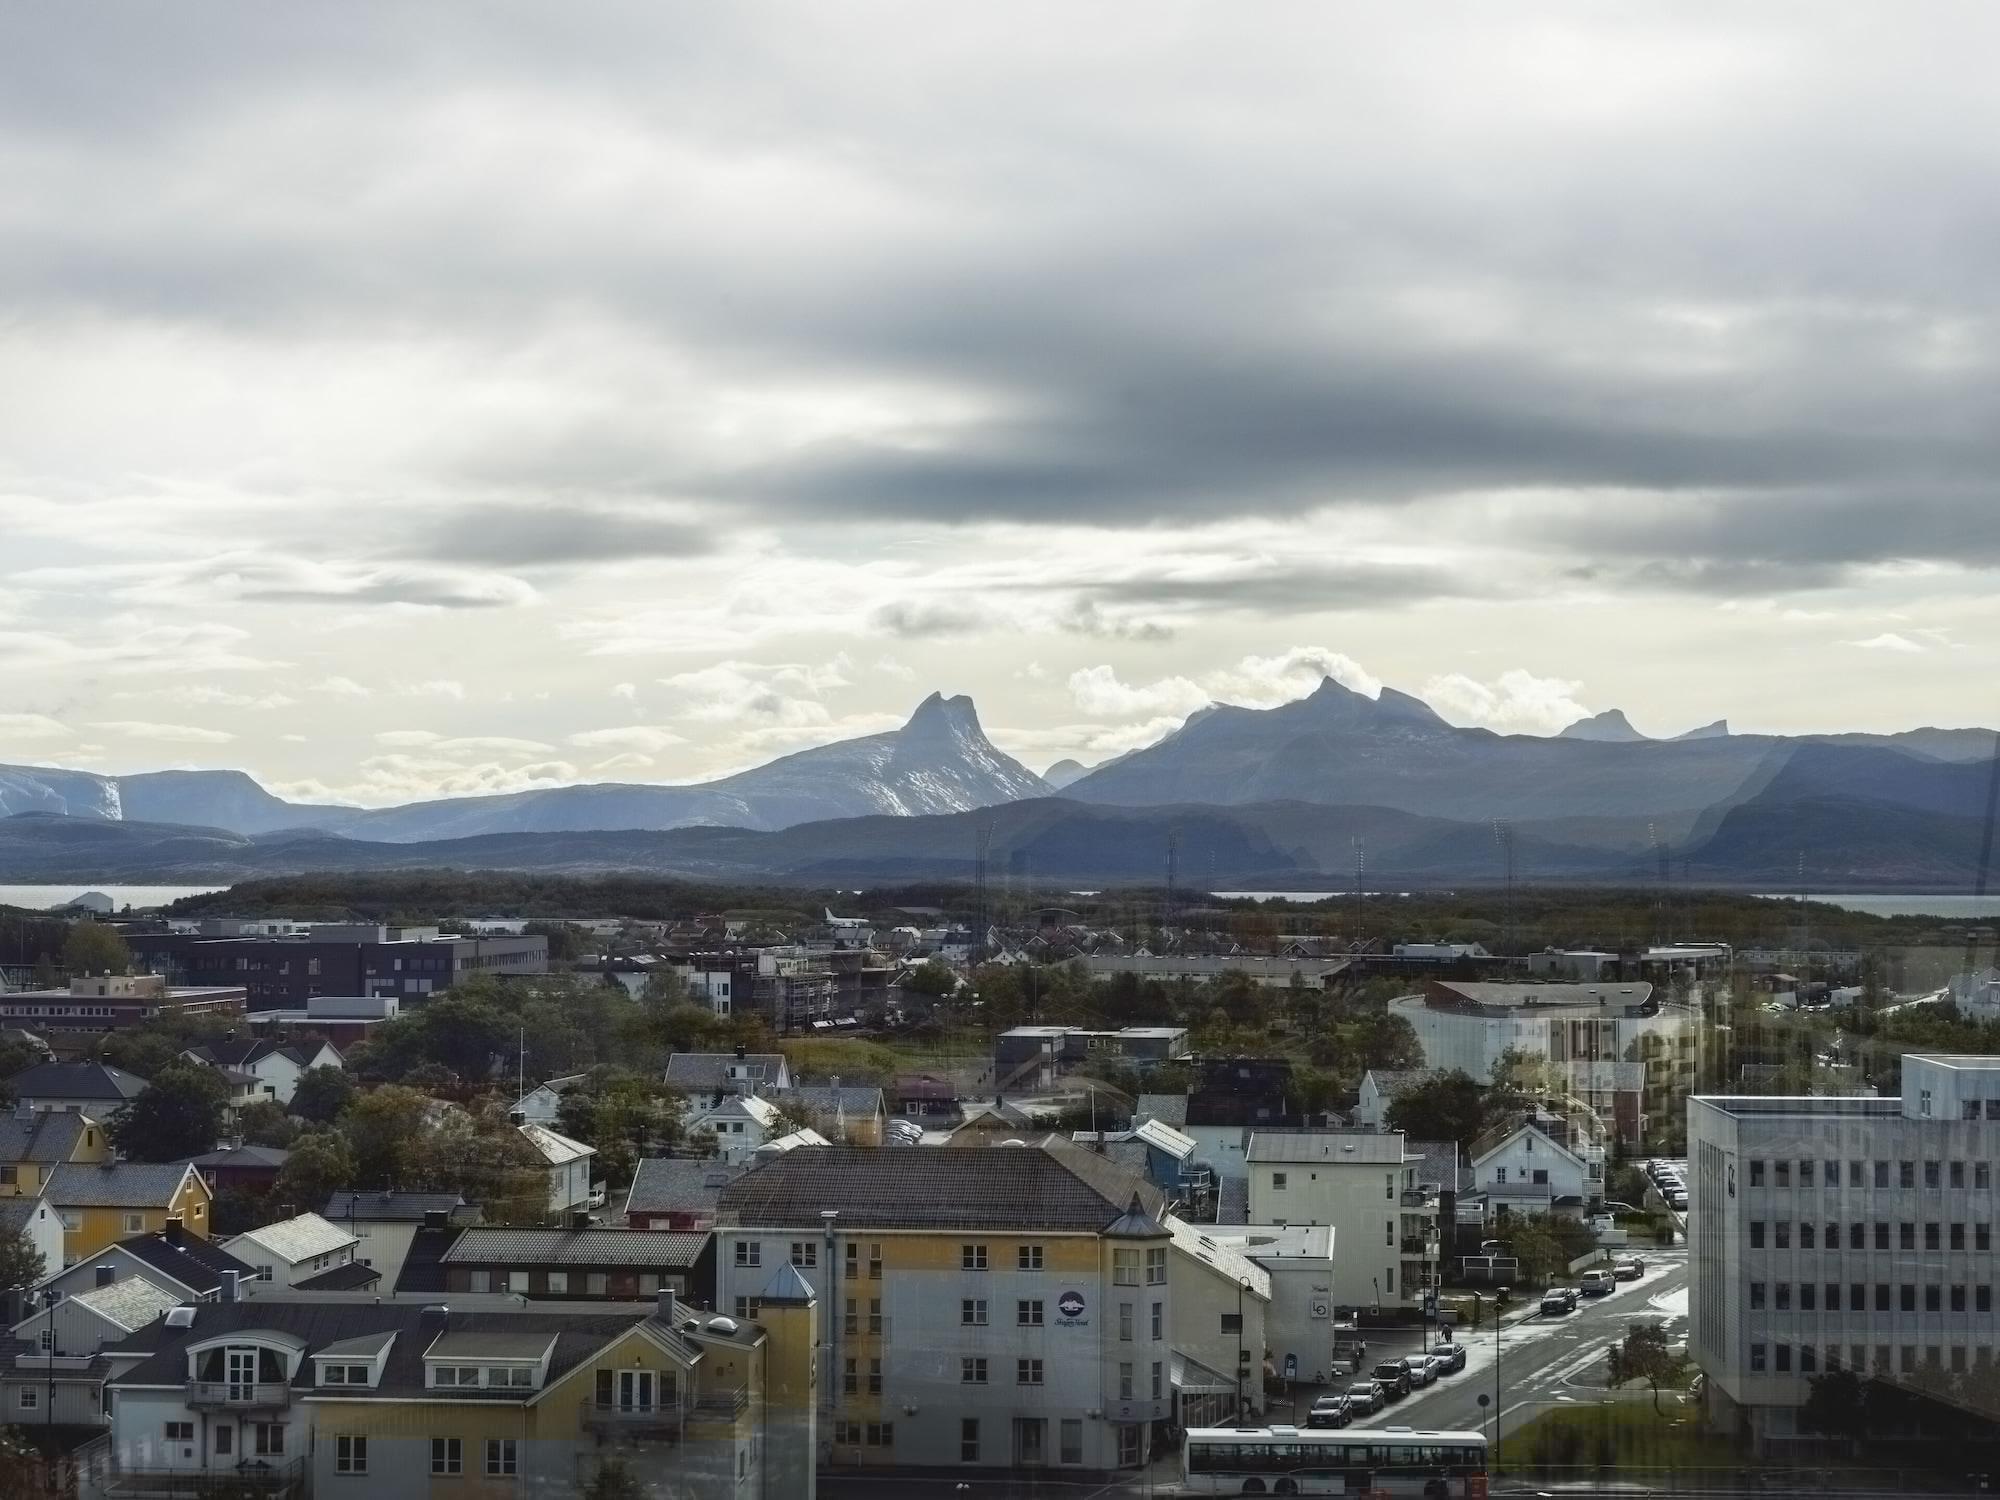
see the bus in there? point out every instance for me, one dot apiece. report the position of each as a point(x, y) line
point(1352, 1461)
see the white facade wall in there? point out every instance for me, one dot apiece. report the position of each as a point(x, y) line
point(1530, 1160)
point(139, 1441)
point(283, 1274)
point(45, 1232)
point(1362, 1201)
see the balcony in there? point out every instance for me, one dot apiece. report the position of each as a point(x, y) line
point(1419, 1248)
point(656, 1419)
point(239, 1395)
point(727, 1404)
point(264, 1477)
point(1420, 1197)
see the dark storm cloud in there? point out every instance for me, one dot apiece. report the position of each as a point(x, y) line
point(1210, 271)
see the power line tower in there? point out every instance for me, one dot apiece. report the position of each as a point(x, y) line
point(1503, 840)
point(1360, 848)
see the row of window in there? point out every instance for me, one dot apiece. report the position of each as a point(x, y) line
point(556, 1283)
point(1937, 1236)
point(1812, 1297)
point(448, 1457)
point(518, 1377)
point(1125, 1267)
point(869, 1434)
point(1028, 1437)
point(749, 1254)
point(1811, 1359)
point(1811, 1172)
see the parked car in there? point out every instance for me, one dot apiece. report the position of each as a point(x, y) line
point(1393, 1375)
point(1613, 1206)
point(1629, 1269)
point(1559, 1299)
point(1422, 1372)
point(1329, 1411)
point(1364, 1399)
point(1598, 1283)
point(1677, 1200)
point(1450, 1355)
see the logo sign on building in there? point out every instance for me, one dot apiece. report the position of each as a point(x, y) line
point(1069, 1307)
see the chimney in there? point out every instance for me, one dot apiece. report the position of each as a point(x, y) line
point(436, 1218)
point(742, 1051)
point(172, 1233)
point(579, 1219)
point(667, 1311)
point(231, 1290)
point(106, 1275)
point(515, 1117)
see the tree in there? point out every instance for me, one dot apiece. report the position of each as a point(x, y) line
point(1644, 1355)
point(139, 1050)
point(932, 977)
point(1836, 1404)
point(265, 1123)
point(613, 1480)
point(21, 1264)
point(178, 1114)
point(321, 1164)
point(386, 1129)
point(93, 948)
point(1443, 1107)
point(322, 1093)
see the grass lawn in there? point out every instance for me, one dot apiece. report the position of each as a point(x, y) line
point(858, 1060)
point(1627, 1435)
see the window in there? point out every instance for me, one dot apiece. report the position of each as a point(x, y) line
point(453, 1375)
point(1389, 1232)
point(500, 1456)
point(1784, 1174)
point(1881, 1296)
point(270, 1439)
point(1756, 1234)
point(343, 1374)
point(1756, 1296)
point(1906, 1236)
point(1931, 1174)
point(1756, 1359)
point(971, 1370)
point(1857, 1236)
point(881, 1434)
point(1028, 1314)
point(1831, 1177)
point(1805, 1236)
point(1027, 1372)
point(851, 1378)
point(1232, 1323)
point(1833, 1296)
point(1277, 1182)
point(972, 1312)
point(968, 1440)
point(1124, 1267)
point(875, 1376)
point(1159, 1381)
point(1125, 1381)
point(517, 1281)
point(1784, 1290)
point(874, 1262)
point(1069, 1448)
point(476, 1281)
point(447, 1456)
point(1756, 1173)
point(852, 1323)
point(749, 1253)
point(1906, 1296)
point(1806, 1173)
point(1028, 1258)
point(874, 1314)
point(1958, 1299)
point(1982, 1236)
point(558, 1282)
point(1783, 1357)
point(1982, 1299)
point(1931, 1235)
point(350, 1454)
point(1982, 1174)
point(1958, 1174)
point(31, 1398)
point(853, 1260)
point(1783, 1229)
point(1933, 1298)
point(1854, 1174)
point(805, 1252)
point(135, 1223)
point(1159, 1320)
point(1958, 1236)
point(180, 1432)
point(1156, 1267)
point(1807, 1293)
point(1881, 1174)
point(1906, 1174)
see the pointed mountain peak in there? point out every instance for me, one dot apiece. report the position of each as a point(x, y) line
point(938, 713)
point(1331, 690)
point(1409, 707)
point(1719, 730)
point(1609, 727)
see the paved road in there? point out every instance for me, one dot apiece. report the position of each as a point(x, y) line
point(1544, 1361)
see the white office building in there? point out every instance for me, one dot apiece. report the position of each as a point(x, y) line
point(1364, 1184)
point(1844, 1233)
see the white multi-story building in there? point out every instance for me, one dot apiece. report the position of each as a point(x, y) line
point(1364, 1184)
point(1844, 1233)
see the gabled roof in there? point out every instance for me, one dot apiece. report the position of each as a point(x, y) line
point(47, 1135)
point(351, 1277)
point(858, 1102)
point(122, 1184)
point(710, 1070)
point(1168, 1109)
point(1001, 1188)
point(192, 1262)
point(245, 1157)
point(131, 1303)
point(1499, 1137)
point(1390, 1082)
point(572, 1337)
point(1163, 1137)
point(295, 1239)
point(737, 1106)
point(678, 1185)
point(555, 1148)
point(76, 1080)
point(1226, 1259)
point(17, 1213)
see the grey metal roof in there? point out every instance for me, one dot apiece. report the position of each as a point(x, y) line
point(123, 1184)
point(16, 1214)
point(76, 1080)
point(576, 1247)
point(1001, 1188)
point(389, 1208)
point(298, 1238)
point(352, 1277)
point(367, 1346)
point(678, 1185)
point(193, 1262)
point(1338, 1147)
point(242, 1156)
point(578, 1337)
point(855, 1100)
point(710, 1070)
point(131, 1303)
point(490, 1343)
point(1169, 1109)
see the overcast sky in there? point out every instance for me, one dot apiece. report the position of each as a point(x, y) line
point(392, 404)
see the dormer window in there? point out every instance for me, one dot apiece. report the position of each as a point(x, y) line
point(336, 1374)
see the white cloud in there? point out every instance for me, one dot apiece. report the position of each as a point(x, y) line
point(340, 687)
point(1098, 690)
point(629, 761)
point(888, 666)
point(1888, 640)
point(784, 694)
point(647, 738)
point(205, 695)
point(457, 745)
point(167, 734)
point(440, 687)
point(626, 690)
point(1516, 702)
point(1265, 681)
point(32, 727)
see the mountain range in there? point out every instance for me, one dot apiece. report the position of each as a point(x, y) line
point(1285, 796)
